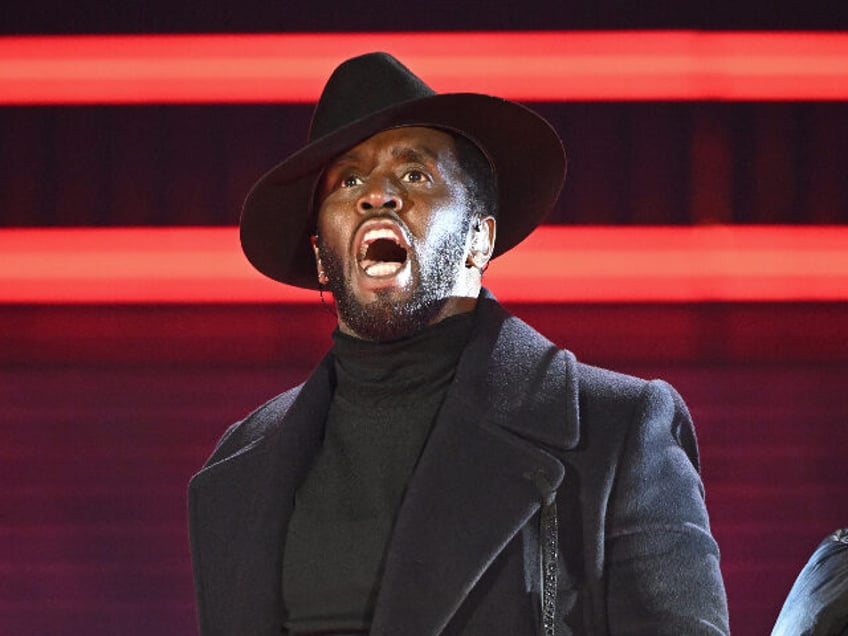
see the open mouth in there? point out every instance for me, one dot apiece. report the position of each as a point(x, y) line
point(382, 252)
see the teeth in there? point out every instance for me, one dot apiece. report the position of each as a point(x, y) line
point(379, 233)
point(383, 269)
point(376, 234)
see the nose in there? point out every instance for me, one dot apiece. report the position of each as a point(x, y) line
point(380, 195)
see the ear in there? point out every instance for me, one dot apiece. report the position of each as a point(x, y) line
point(482, 243)
point(322, 275)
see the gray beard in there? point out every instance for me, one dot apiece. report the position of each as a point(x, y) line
point(384, 318)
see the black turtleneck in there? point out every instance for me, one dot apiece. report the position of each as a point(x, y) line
point(386, 399)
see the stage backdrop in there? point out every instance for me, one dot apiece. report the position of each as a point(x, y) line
point(108, 410)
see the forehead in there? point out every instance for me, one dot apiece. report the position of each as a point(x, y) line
point(429, 143)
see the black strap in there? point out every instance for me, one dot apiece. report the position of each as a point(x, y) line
point(549, 549)
point(549, 539)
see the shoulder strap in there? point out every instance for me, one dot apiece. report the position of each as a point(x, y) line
point(549, 549)
point(549, 540)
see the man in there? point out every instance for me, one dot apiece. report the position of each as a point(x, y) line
point(445, 469)
point(817, 604)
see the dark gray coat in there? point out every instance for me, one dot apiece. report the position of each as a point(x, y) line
point(636, 553)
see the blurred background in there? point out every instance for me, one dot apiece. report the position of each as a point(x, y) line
point(108, 408)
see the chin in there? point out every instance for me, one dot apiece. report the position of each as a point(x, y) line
point(388, 317)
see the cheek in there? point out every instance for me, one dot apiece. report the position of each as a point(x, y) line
point(331, 228)
point(446, 226)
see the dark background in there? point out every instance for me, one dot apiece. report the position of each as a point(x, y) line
point(107, 410)
point(265, 16)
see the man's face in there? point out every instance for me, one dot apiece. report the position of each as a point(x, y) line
point(393, 232)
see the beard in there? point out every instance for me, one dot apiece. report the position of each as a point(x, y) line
point(434, 275)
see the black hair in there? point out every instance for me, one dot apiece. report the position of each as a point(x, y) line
point(482, 185)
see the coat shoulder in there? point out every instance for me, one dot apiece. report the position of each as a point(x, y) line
point(604, 384)
point(616, 409)
point(255, 426)
point(603, 388)
point(612, 403)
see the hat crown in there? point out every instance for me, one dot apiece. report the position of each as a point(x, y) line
point(362, 86)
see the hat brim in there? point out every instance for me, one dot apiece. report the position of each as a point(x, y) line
point(526, 153)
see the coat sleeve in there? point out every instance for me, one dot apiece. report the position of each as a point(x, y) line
point(662, 563)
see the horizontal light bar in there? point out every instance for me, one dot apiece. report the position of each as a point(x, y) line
point(556, 264)
point(526, 66)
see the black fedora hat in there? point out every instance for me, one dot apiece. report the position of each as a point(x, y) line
point(375, 92)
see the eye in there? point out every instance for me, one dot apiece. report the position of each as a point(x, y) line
point(351, 180)
point(415, 176)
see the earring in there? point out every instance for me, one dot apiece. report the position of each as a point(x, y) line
point(324, 303)
point(323, 279)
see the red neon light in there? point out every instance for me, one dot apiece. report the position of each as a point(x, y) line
point(556, 264)
point(527, 66)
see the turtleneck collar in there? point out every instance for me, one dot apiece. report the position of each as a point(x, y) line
point(386, 374)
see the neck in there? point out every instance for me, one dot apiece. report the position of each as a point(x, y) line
point(381, 373)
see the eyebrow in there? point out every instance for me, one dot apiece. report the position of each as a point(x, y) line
point(419, 154)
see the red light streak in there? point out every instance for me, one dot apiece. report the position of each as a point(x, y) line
point(526, 66)
point(555, 265)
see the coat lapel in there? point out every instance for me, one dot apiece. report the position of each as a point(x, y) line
point(240, 505)
point(477, 482)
